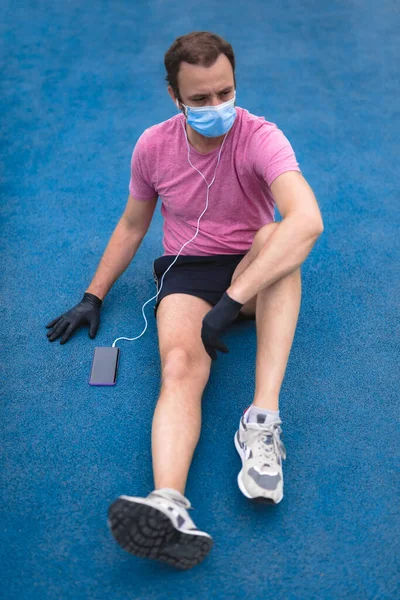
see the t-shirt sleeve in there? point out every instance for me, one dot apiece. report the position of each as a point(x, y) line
point(141, 186)
point(271, 154)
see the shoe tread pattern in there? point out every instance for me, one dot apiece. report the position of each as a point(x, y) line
point(147, 532)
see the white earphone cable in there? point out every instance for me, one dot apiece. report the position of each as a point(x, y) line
point(186, 243)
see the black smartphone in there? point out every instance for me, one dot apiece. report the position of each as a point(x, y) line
point(104, 366)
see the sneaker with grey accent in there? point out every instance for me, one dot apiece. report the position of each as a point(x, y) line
point(261, 450)
point(160, 528)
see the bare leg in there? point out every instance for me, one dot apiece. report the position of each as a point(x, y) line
point(176, 429)
point(277, 312)
point(185, 368)
point(276, 309)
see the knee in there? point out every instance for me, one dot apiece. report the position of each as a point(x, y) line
point(262, 236)
point(180, 364)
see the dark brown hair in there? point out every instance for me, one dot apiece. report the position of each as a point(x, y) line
point(196, 48)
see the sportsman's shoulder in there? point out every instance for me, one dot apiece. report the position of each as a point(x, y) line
point(162, 132)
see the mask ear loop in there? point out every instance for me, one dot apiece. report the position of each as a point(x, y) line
point(184, 110)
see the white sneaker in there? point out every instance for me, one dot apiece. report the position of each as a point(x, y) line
point(159, 527)
point(261, 450)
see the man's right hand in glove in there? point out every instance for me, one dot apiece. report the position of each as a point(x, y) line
point(87, 311)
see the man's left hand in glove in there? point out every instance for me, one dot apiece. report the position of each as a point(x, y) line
point(216, 321)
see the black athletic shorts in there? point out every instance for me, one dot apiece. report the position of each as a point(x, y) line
point(206, 277)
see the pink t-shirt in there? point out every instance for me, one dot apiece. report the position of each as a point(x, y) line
point(240, 201)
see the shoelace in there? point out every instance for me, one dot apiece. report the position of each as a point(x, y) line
point(266, 451)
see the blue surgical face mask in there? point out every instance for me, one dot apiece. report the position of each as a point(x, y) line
point(211, 121)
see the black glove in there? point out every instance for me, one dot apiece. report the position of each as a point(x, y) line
point(216, 321)
point(87, 311)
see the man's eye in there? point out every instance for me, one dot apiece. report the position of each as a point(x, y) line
point(204, 99)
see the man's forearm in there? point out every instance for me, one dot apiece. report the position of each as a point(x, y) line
point(286, 249)
point(120, 251)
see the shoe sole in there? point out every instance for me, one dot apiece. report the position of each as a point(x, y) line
point(147, 532)
point(257, 499)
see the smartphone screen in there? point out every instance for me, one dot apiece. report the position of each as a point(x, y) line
point(104, 366)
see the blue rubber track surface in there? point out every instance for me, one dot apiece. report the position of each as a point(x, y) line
point(80, 81)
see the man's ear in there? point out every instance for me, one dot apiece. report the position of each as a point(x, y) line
point(171, 93)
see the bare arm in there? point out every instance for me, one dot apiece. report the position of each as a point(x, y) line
point(123, 245)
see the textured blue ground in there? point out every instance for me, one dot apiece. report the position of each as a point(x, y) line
point(79, 84)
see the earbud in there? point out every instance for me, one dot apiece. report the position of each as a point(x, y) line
point(177, 103)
